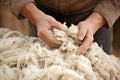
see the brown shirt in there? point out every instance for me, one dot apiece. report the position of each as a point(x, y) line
point(109, 9)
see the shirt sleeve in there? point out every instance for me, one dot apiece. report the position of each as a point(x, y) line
point(16, 6)
point(109, 9)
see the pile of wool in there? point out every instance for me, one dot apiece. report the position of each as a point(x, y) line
point(29, 58)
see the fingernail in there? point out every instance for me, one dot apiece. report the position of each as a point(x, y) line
point(80, 38)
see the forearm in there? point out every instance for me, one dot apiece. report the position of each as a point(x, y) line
point(86, 30)
point(109, 9)
point(16, 6)
point(31, 12)
point(96, 20)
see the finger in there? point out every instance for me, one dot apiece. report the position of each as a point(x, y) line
point(81, 33)
point(86, 44)
point(58, 25)
point(46, 35)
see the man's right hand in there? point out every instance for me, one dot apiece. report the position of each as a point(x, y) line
point(44, 24)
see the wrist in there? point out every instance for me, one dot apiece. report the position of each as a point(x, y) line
point(96, 20)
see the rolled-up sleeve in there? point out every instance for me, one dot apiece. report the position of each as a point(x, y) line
point(16, 6)
point(110, 10)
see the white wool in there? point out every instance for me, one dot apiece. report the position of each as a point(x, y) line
point(29, 58)
point(72, 31)
point(60, 35)
point(7, 73)
point(3, 31)
point(105, 66)
point(54, 72)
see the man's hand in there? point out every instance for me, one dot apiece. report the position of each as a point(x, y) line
point(44, 24)
point(85, 35)
point(86, 30)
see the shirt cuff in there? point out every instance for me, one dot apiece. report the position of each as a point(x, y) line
point(109, 9)
point(17, 6)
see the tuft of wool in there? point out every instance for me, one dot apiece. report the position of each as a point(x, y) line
point(30, 58)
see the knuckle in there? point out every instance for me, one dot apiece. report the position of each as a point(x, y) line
point(52, 20)
point(90, 37)
point(82, 33)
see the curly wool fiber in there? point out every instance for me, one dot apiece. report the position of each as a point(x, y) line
point(29, 58)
